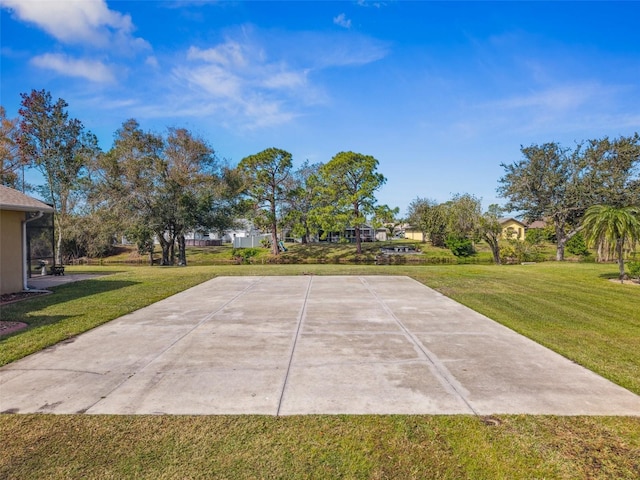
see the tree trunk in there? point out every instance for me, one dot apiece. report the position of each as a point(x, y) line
point(561, 241)
point(164, 245)
point(496, 255)
point(275, 249)
point(182, 251)
point(356, 213)
point(619, 245)
point(495, 250)
point(57, 258)
point(172, 249)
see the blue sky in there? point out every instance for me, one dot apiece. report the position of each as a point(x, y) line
point(441, 93)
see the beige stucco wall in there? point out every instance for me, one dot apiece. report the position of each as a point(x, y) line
point(517, 230)
point(11, 278)
point(413, 235)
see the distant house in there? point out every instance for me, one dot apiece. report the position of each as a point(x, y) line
point(367, 234)
point(243, 230)
point(540, 224)
point(512, 228)
point(382, 234)
point(413, 233)
point(197, 239)
point(16, 210)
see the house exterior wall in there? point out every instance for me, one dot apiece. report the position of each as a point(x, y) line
point(382, 235)
point(513, 229)
point(11, 267)
point(411, 234)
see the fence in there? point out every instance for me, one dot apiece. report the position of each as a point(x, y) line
point(190, 242)
point(251, 241)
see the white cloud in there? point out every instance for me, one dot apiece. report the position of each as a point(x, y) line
point(341, 49)
point(92, 70)
point(78, 21)
point(285, 79)
point(228, 54)
point(266, 113)
point(557, 98)
point(254, 78)
point(152, 61)
point(365, 3)
point(564, 112)
point(342, 21)
point(239, 80)
point(210, 79)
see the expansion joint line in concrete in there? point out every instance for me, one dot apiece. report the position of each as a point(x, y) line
point(445, 377)
point(206, 318)
point(301, 317)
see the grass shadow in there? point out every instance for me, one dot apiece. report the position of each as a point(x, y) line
point(25, 311)
point(611, 276)
point(73, 308)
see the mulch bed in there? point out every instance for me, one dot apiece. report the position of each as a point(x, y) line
point(16, 297)
point(9, 327)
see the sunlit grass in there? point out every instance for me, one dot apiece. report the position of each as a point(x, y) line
point(325, 447)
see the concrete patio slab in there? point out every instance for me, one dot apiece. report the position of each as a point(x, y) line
point(306, 345)
point(43, 282)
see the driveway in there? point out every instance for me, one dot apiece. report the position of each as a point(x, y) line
point(306, 345)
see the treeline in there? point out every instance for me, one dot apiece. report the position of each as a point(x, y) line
point(591, 190)
point(163, 186)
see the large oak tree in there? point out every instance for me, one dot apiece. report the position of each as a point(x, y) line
point(558, 184)
point(547, 184)
point(163, 186)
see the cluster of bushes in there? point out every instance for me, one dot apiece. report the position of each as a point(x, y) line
point(517, 251)
point(244, 255)
point(633, 268)
point(460, 246)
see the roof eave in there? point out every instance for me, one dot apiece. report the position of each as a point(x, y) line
point(25, 208)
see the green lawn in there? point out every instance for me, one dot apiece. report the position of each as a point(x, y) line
point(318, 447)
point(572, 308)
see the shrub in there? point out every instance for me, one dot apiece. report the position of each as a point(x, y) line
point(460, 246)
point(634, 269)
point(244, 254)
point(577, 246)
point(535, 236)
point(515, 251)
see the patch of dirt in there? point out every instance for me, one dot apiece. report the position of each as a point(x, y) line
point(9, 327)
point(626, 282)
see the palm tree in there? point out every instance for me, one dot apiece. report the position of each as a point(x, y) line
point(614, 226)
